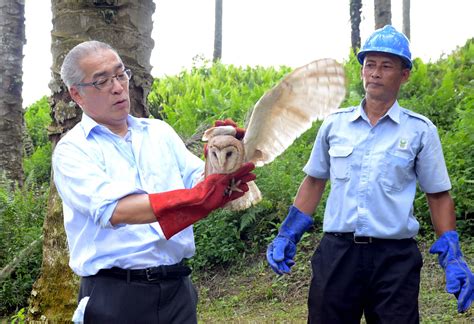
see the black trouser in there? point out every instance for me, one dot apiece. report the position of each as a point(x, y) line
point(380, 279)
point(118, 296)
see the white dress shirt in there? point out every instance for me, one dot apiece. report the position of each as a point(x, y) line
point(94, 168)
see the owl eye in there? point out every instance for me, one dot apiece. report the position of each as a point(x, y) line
point(229, 154)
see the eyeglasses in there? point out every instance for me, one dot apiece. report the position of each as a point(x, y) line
point(107, 83)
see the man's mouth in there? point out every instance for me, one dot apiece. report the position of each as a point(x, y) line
point(120, 101)
point(375, 84)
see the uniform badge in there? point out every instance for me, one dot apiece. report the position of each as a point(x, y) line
point(403, 144)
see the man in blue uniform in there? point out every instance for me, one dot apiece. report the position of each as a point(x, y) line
point(374, 154)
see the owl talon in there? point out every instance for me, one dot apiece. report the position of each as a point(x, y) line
point(233, 186)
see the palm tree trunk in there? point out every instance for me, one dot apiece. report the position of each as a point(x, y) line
point(126, 27)
point(12, 39)
point(406, 18)
point(218, 32)
point(355, 10)
point(382, 13)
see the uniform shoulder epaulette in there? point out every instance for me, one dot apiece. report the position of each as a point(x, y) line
point(417, 115)
point(344, 110)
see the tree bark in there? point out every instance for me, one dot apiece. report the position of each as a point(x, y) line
point(355, 9)
point(12, 39)
point(382, 13)
point(126, 25)
point(406, 18)
point(218, 32)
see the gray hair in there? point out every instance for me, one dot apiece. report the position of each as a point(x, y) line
point(71, 73)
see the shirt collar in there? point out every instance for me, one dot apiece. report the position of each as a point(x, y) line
point(88, 124)
point(393, 113)
point(358, 112)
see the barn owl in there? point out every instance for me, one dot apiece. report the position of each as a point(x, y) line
point(281, 115)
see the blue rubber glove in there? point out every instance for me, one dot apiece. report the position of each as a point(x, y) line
point(459, 278)
point(282, 250)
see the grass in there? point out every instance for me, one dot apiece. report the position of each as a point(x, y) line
point(251, 293)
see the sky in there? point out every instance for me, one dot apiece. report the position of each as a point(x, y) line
point(258, 32)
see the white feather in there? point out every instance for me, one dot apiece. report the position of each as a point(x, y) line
point(286, 111)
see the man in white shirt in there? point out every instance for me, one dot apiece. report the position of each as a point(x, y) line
point(129, 193)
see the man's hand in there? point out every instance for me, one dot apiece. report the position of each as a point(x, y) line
point(459, 278)
point(282, 250)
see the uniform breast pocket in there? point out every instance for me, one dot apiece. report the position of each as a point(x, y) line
point(340, 162)
point(397, 171)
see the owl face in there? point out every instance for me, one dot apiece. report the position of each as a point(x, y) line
point(225, 154)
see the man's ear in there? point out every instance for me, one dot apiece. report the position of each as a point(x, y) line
point(76, 95)
point(405, 75)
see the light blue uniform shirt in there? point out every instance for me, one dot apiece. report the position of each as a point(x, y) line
point(374, 169)
point(94, 168)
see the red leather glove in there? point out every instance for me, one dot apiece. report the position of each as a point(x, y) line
point(229, 122)
point(177, 209)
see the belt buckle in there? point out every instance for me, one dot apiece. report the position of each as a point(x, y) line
point(152, 274)
point(356, 241)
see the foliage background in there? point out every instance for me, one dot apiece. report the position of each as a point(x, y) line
point(192, 100)
point(442, 91)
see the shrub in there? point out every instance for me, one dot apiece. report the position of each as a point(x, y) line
point(21, 217)
point(37, 166)
point(210, 92)
point(37, 119)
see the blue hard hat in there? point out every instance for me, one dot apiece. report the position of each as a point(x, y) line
point(387, 40)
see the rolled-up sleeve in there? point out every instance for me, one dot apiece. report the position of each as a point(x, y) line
point(84, 186)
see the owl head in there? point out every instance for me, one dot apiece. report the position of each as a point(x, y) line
point(225, 154)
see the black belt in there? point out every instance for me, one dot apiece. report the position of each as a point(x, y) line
point(360, 239)
point(163, 272)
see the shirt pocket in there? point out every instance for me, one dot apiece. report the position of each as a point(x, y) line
point(340, 161)
point(396, 172)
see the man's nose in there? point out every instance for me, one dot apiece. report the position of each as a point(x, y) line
point(376, 72)
point(117, 86)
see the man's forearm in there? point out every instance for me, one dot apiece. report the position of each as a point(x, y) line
point(133, 209)
point(309, 194)
point(443, 216)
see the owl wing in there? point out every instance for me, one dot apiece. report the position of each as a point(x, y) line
point(286, 111)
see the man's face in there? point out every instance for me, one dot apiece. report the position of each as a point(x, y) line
point(382, 75)
point(109, 106)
